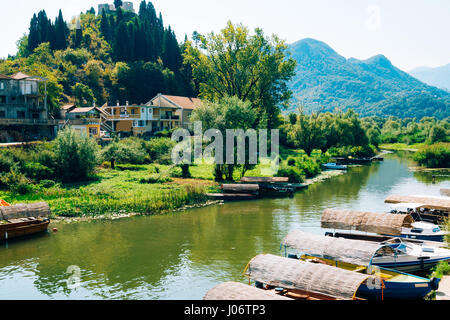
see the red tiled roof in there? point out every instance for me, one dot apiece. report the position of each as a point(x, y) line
point(184, 102)
point(19, 76)
point(67, 106)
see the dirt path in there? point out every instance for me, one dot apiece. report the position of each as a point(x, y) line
point(443, 292)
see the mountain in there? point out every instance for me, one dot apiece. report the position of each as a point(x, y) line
point(438, 77)
point(325, 81)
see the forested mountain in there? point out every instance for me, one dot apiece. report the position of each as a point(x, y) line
point(325, 80)
point(438, 77)
point(103, 57)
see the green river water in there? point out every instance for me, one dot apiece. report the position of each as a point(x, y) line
point(182, 255)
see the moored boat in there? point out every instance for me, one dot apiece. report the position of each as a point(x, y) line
point(334, 166)
point(394, 254)
point(23, 219)
point(336, 280)
point(392, 225)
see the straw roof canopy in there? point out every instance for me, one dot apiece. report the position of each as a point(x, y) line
point(384, 223)
point(240, 291)
point(351, 251)
point(430, 202)
point(306, 276)
point(40, 209)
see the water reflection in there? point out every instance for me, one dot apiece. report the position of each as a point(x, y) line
point(181, 256)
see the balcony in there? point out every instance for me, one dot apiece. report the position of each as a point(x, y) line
point(123, 116)
point(29, 122)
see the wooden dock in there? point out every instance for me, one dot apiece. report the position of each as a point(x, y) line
point(443, 293)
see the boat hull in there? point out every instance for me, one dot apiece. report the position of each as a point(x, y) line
point(15, 230)
point(411, 266)
point(394, 290)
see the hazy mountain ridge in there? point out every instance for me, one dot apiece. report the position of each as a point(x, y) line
point(326, 80)
point(438, 77)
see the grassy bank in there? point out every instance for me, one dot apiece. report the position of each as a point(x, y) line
point(401, 146)
point(116, 192)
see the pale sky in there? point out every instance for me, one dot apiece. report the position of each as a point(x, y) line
point(410, 33)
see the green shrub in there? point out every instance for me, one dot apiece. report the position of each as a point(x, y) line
point(47, 183)
point(294, 174)
point(37, 171)
point(6, 162)
point(159, 149)
point(76, 155)
point(434, 156)
point(16, 182)
point(130, 150)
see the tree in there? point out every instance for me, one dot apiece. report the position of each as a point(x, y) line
point(438, 134)
point(227, 113)
point(83, 95)
point(118, 3)
point(253, 68)
point(76, 155)
point(307, 133)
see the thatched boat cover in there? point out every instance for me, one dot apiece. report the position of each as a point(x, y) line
point(314, 278)
point(240, 187)
point(39, 209)
point(351, 251)
point(240, 291)
point(265, 179)
point(384, 223)
point(430, 202)
point(445, 192)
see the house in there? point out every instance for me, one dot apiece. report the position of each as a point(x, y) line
point(23, 108)
point(108, 8)
point(163, 112)
point(86, 120)
point(183, 107)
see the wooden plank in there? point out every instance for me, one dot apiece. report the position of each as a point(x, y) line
point(265, 179)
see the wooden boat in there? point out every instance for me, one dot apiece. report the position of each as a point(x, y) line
point(334, 166)
point(23, 219)
point(379, 238)
point(334, 280)
point(393, 254)
point(265, 179)
point(393, 225)
point(434, 217)
point(240, 291)
point(421, 208)
point(232, 196)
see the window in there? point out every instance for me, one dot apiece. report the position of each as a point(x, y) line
point(93, 131)
point(21, 114)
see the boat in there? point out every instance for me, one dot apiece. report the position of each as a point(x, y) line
point(395, 254)
point(332, 280)
point(23, 219)
point(232, 196)
point(419, 213)
point(334, 166)
point(239, 291)
point(423, 208)
point(392, 225)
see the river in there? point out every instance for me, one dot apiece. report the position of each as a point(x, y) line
point(182, 255)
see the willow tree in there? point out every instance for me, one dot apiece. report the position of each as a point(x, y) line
point(253, 68)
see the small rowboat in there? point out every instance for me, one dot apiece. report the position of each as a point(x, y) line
point(333, 280)
point(394, 254)
point(23, 219)
point(334, 166)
